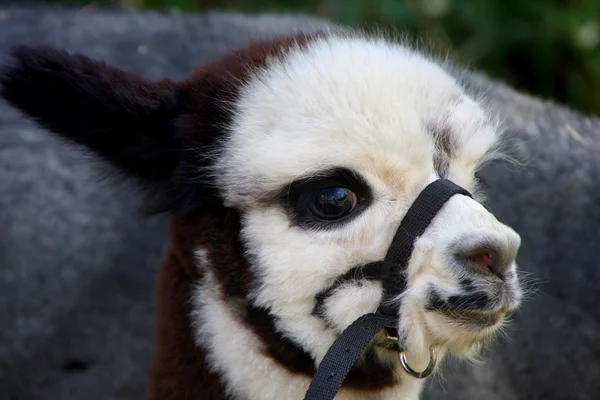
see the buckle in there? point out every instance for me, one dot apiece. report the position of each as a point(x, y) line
point(391, 337)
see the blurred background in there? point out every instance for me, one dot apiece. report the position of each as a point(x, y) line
point(548, 48)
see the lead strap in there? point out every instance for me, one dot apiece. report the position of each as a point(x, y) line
point(343, 354)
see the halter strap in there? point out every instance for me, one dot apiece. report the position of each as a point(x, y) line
point(346, 350)
point(418, 217)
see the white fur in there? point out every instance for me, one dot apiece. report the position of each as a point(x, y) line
point(365, 104)
point(350, 301)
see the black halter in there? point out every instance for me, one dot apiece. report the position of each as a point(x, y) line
point(346, 350)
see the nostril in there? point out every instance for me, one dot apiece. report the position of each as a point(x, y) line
point(484, 257)
point(486, 260)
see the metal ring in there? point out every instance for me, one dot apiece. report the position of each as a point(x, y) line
point(427, 371)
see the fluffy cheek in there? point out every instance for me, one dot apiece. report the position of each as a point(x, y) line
point(292, 265)
point(349, 302)
point(284, 259)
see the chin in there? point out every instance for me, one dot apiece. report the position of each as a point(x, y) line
point(464, 332)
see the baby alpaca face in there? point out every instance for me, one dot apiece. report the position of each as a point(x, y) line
point(327, 148)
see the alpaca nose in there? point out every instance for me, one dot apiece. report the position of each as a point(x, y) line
point(488, 253)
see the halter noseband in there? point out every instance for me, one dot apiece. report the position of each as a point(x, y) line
point(346, 350)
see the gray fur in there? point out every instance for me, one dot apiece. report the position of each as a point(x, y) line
point(78, 264)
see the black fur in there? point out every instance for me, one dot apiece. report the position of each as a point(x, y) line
point(128, 121)
point(465, 302)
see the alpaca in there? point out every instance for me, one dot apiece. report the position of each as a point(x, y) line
point(285, 165)
point(77, 310)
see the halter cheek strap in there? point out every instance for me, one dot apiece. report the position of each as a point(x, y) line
point(346, 350)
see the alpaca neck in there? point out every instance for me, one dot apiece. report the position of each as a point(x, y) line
point(178, 369)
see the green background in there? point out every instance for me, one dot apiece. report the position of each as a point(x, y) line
point(550, 48)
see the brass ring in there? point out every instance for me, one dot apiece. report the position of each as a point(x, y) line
point(426, 372)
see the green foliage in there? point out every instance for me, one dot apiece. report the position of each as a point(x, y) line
point(550, 48)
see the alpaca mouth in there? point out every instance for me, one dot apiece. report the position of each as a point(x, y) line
point(476, 310)
point(474, 319)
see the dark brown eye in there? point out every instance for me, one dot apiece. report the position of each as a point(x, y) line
point(332, 203)
point(327, 200)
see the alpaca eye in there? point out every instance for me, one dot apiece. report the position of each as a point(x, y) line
point(326, 200)
point(332, 203)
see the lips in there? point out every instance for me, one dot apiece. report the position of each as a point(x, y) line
point(473, 318)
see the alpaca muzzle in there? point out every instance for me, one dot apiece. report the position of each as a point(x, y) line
point(346, 350)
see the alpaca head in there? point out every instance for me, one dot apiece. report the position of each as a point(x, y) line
point(315, 146)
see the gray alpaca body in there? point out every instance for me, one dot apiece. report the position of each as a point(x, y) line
point(78, 262)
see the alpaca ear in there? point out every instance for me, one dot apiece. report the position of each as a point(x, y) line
point(125, 119)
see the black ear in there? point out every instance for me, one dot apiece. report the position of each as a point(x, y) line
point(126, 120)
